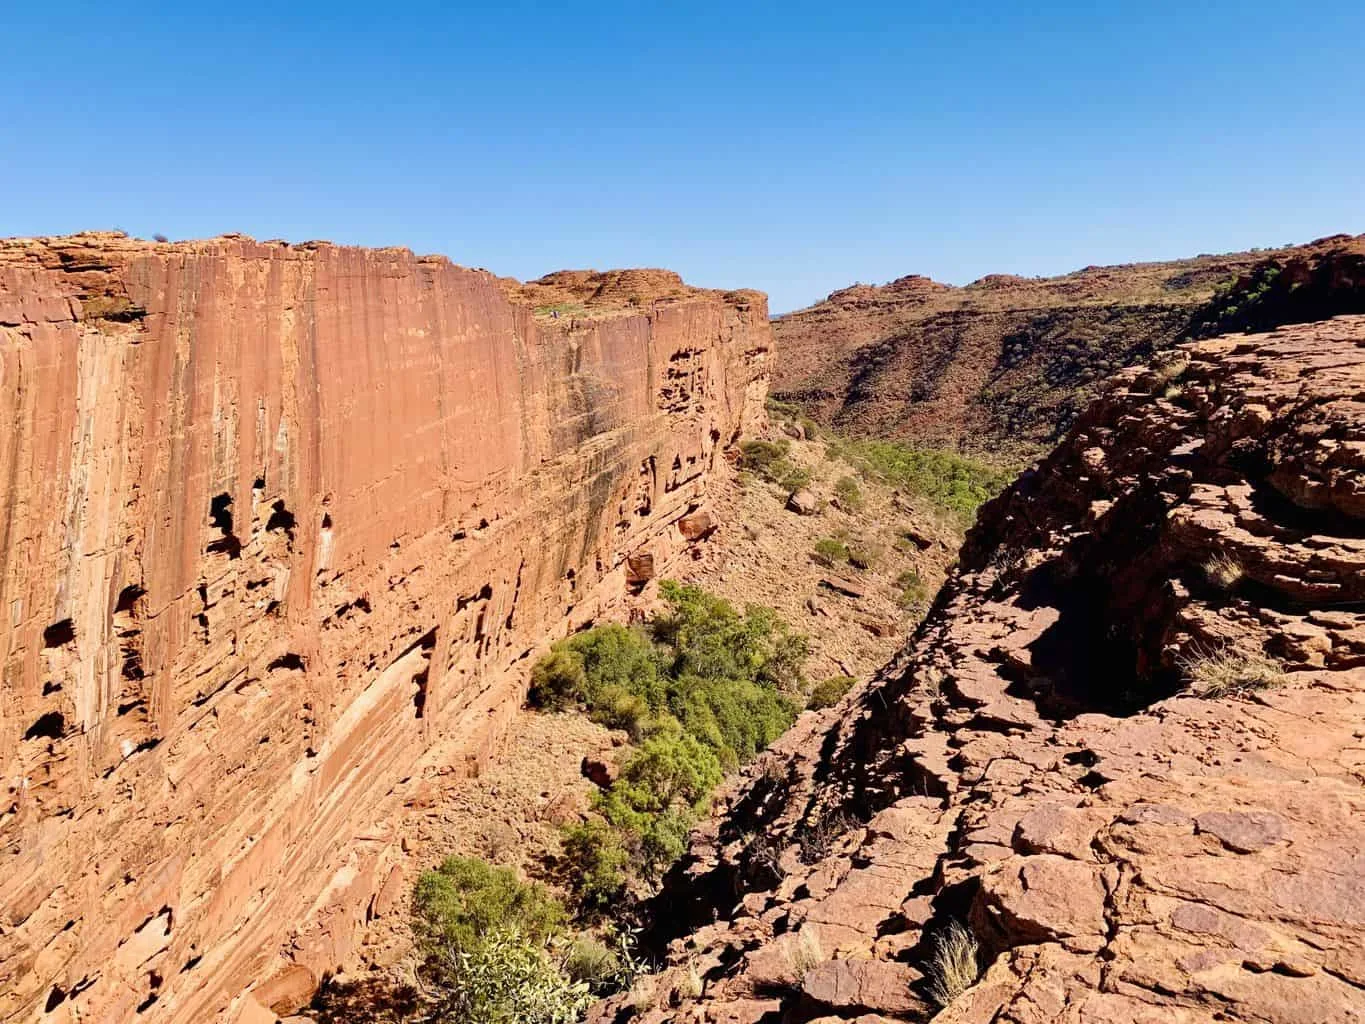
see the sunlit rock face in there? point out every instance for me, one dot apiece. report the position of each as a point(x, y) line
point(281, 528)
point(1123, 751)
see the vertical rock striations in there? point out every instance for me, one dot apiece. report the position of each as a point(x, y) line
point(276, 524)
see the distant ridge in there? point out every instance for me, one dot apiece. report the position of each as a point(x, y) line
point(1006, 363)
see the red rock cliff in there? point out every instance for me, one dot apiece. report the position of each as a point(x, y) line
point(278, 526)
point(1125, 749)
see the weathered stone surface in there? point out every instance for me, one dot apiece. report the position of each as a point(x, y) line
point(803, 503)
point(1035, 765)
point(856, 985)
point(280, 530)
point(696, 526)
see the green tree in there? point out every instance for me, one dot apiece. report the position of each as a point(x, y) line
point(465, 899)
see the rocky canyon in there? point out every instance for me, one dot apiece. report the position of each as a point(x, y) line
point(282, 524)
point(284, 529)
point(1007, 363)
point(1117, 775)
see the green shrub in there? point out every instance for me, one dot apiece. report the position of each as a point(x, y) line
point(830, 551)
point(704, 696)
point(849, 494)
point(505, 979)
point(618, 708)
point(594, 963)
point(594, 668)
point(794, 478)
point(616, 656)
point(914, 592)
point(759, 457)
point(784, 667)
point(598, 862)
point(558, 680)
point(708, 637)
point(780, 409)
point(768, 460)
point(956, 484)
point(829, 692)
point(734, 717)
point(464, 900)
point(668, 770)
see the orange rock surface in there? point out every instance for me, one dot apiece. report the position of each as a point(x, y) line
point(1049, 764)
point(281, 527)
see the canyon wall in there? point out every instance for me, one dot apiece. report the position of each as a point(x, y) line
point(282, 527)
point(1007, 363)
point(1124, 751)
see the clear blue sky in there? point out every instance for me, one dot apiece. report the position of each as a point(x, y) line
point(793, 147)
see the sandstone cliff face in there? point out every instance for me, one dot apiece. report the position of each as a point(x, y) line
point(1123, 852)
point(281, 528)
point(1008, 363)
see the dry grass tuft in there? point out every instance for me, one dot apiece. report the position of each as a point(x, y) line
point(1223, 571)
point(952, 967)
point(1226, 670)
point(1168, 367)
point(805, 954)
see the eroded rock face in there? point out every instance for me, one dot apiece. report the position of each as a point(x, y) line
point(1008, 363)
point(282, 528)
point(1031, 767)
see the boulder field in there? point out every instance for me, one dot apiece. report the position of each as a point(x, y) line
point(1125, 751)
point(281, 529)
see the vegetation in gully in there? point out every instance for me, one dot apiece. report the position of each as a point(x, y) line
point(699, 690)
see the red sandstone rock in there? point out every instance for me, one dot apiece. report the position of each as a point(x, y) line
point(803, 503)
point(278, 523)
point(600, 771)
point(696, 526)
point(854, 985)
point(1034, 765)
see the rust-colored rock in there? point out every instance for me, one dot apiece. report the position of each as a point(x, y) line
point(600, 771)
point(696, 526)
point(282, 528)
point(1035, 764)
point(803, 503)
point(1007, 363)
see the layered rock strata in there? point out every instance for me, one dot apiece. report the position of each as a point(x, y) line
point(1008, 363)
point(282, 527)
point(1036, 766)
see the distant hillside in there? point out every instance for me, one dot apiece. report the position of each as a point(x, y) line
point(1006, 363)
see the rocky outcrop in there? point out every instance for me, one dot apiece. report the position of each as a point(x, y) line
point(1125, 748)
point(1008, 363)
point(282, 527)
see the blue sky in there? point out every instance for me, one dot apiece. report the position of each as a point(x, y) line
point(794, 147)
